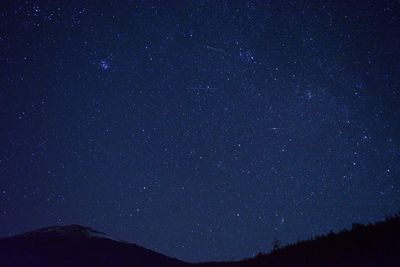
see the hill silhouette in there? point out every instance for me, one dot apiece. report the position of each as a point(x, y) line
point(376, 244)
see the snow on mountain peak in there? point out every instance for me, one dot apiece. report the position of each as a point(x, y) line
point(74, 231)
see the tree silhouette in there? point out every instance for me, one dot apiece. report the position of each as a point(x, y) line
point(275, 244)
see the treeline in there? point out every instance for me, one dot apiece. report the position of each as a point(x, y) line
point(374, 244)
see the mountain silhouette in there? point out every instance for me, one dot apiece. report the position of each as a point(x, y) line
point(77, 246)
point(369, 245)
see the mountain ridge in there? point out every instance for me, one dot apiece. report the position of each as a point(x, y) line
point(375, 244)
point(70, 231)
point(76, 245)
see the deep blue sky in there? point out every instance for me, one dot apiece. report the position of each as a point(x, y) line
point(199, 129)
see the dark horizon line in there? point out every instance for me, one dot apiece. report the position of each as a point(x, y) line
point(354, 225)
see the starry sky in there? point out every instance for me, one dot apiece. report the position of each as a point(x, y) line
point(199, 129)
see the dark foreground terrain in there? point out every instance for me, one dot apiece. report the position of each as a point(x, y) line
point(364, 245)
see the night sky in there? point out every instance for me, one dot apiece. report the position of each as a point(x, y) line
point(199, 129)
